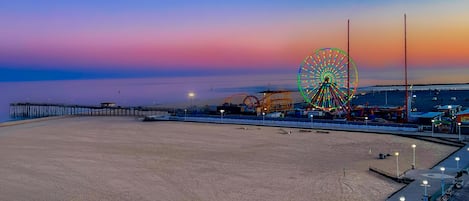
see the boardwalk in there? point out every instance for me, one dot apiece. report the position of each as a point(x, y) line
point(435, 178)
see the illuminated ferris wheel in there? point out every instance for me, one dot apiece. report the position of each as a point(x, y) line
point(323, 79)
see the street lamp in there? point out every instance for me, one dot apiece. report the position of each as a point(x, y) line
point(263, 118)
point(366, 121)
point(433, 126)
point(425, 185)
point(459, 131)
point(397, 164)
point(413, 151)
point(450, 111)
point(221, 115)
point(442, 181)
point(191, 96)
point(402, 198)
point(457, 162)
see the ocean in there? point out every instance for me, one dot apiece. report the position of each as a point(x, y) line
point(138, 92)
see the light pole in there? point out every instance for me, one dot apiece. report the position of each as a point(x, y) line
point(366, 121)
point(442, 181)
point(312, 116)
point(263, 118)
point(185, 114)
point(397, 164)
point(450, 110)
point(402, 198)
point(221, 115)
point(425, 185)
point(191, 96)
point(433, 126)
point(457, 163)
point(459, 131)
point(413, 154)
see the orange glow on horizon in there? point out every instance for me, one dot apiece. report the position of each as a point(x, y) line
point(435, 39)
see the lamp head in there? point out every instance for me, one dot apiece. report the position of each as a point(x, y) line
point(413, 146)
point(442, 169)
point(425, 182)
point(457, 158)
point(397, 153)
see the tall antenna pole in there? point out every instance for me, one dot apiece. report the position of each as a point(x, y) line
point(405, 65)
point(348, 70)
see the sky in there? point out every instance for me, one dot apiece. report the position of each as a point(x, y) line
point(89, 39)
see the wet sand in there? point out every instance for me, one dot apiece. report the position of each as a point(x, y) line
point(116, 158)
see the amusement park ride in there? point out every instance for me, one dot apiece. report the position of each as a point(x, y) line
point(327, 80)
point(270, 101)
point(323, 79)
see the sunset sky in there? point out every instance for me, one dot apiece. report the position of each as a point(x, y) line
point(86, 39)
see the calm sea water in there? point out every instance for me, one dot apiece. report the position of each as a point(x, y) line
point(141, 92)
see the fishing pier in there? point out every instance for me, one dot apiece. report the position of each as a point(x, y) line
point(38, 110)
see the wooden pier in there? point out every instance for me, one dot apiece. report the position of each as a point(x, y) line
point(38, 110)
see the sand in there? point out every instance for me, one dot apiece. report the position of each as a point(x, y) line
point(118, 158)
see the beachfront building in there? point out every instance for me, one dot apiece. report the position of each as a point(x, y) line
point(463, 118)
point(387, 113)
point(108, 104)
point(425, 118)
point(449, 110)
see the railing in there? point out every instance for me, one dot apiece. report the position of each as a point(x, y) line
point(296, 124)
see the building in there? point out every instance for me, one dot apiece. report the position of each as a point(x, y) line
point(463, 118)
point(449, 110)
point(425, 118)
point(108, 104)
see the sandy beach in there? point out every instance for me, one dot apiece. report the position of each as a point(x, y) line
point(119, 158)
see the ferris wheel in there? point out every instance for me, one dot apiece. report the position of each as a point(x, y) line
point(323, 79)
